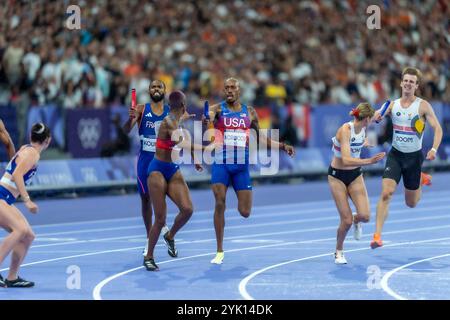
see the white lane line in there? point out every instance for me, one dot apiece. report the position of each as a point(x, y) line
point(98, 288)
point(385, 280)
point(263, 207)
point(72, 257)
point(435, 196)
point(233, 250)
point(96, 293)
point(394, 221)
point(296, 212)
point(244, 282)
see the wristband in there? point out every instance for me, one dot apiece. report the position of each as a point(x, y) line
point(433, 149)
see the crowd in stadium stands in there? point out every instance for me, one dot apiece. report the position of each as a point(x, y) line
point(282, 51)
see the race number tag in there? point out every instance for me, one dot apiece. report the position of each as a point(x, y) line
point(235, 138)
point(149, 144)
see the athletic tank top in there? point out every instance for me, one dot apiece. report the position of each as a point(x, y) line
point(165, 144)
point(149, 127)
point(408, 127)
point(11, 167)
point(356, 142)
point(234, 127)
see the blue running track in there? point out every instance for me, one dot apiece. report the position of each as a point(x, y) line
point(283, 251)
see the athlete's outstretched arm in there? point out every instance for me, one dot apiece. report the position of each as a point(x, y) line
point(431, 118)
point(182, 137)
point(6, 139)
point(213, 111)
point(377, 116)
point(184, 140)
point(343, 136)
point(193, 147)
point(135, 116)
point(268, 141)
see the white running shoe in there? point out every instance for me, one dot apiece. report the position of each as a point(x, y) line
point(339, 257)
point(218, 259)
point(357, 228)
point(144, 252)
point(165, 229)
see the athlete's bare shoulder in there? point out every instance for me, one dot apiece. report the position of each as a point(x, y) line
point(140, 107)
point(252, 111)
point(424, 107)
point(424, 104)
point(343, 130)
point(28, 153)
point(165, 128)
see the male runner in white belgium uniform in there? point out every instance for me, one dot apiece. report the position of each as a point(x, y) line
point(409, 115)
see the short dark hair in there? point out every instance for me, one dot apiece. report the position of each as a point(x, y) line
point(39, 132)
point(160, 81)
point(176, 100)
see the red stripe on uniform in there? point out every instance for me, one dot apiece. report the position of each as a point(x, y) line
point(410, 129)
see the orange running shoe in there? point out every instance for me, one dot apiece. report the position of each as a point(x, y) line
point(425, 179)
point(376, 242)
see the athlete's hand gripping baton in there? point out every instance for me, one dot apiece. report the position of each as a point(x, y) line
point(384, 109)
point(133, 100)
point(206, 110)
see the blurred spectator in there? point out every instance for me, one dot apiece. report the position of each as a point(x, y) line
point(307, 52)
point(281, 50)
point(288, 132)
point(120, 145)
point(72, 96)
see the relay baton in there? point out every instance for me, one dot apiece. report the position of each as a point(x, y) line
point(206, 109)
point(384, 109)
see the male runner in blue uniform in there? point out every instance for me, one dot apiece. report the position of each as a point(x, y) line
point(233, 120)
point(149, 119)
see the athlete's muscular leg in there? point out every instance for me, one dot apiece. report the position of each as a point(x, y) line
point(220, 191)
point(158, 188)
point(178, 192)
point(340, 196)
point(358, 193)
point(412, 197)
point(388, 189)
point(245, 198)
point(147, 212)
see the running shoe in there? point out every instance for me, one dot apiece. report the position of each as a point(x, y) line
point(165, 229)
point(2, 282)
point(376, 242)
point(171, 250)
point(339, 257)
point(425, 179)
point(150, 265)
point(19, 283)
point(218, 259)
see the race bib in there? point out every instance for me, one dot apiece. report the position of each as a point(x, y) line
point(149, 144)
point(235, 139)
